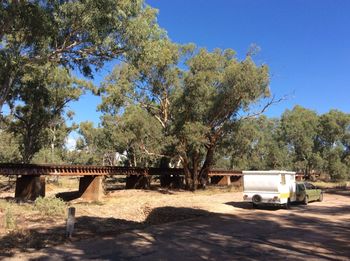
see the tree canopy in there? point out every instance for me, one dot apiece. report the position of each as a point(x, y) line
point(74, 34)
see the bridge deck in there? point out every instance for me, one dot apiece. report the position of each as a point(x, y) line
point(30, 182)
point(85, 170)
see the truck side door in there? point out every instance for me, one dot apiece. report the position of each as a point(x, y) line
point(300, 191)
point(311, 191)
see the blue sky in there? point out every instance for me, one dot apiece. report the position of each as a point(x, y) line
point(306, 44)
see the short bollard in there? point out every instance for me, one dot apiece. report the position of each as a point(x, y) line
point(70, 222)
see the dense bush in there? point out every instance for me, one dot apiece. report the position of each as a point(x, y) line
point(50, 206)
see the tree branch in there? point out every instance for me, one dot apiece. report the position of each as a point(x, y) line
point(271, 102)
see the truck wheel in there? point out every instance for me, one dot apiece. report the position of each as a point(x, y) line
point(320, 199)
point(306, 200)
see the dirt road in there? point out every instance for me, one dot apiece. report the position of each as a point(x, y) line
point(233, 231)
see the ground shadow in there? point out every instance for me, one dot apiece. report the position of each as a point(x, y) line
point(248, 205)
point(68, 196)
point(341, 192)
point(201, 235)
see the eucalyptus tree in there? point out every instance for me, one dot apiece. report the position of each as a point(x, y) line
point(256, 143)
point(299, 130)
point(9, 147)
point(43, 96)
point(333, 143)
point(74, 34)
point(143, 92)
point(218, 89)
point(195, 95)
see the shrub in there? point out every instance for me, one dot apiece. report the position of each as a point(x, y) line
point(50, 206)
point(9, 219)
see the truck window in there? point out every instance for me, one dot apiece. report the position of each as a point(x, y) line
point(300, 187)
point(309, 186)
point(283, 179)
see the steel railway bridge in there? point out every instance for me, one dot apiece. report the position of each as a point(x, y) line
point(30, 178)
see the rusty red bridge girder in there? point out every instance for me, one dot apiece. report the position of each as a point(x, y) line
point(86, 170)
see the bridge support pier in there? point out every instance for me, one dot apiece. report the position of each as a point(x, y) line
point(220, 180)
point(138, 182)
point(90, 188)
point(171, 181)
point(30, 187)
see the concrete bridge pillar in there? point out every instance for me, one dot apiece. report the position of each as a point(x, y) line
point(90, 188)
point(30, 187)
point(220, 180)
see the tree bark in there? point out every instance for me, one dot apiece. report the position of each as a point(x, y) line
point(195, 162)
point(203, 175)
point(5, 90)
point(187, 173)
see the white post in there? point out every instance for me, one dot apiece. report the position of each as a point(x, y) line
point(70, 222)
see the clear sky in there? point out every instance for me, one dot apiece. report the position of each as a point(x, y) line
point(306, 44)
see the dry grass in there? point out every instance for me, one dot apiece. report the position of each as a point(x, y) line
point(332, 185)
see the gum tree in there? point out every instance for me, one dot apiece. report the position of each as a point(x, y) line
point(217, 90)
point(74, 34)
point(43, 98)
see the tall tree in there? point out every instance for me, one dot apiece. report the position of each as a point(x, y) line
point(333, 143)
point(151, 84)
point(44, 96)
point(299, 128)
point(9, 147)
point(81, 34)
point(256, 143)
point(195, 105)
point(217, 89)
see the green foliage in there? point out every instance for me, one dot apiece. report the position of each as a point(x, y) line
point(333, 144)
point(300, 140)
point(82, 34)
point(47, 155)
point(137, 101)
point(9, 147)
point(217, 87)
point(256, 144)
point(299, 129)
point(38, 117)
point(50, 206)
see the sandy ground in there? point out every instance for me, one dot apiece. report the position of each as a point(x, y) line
point(214, 225)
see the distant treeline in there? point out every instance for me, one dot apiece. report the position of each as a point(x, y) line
point(299, 140)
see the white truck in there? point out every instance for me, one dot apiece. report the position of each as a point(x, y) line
point(275, 187)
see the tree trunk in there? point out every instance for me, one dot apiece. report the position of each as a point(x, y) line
point(203, 175)
point(187, 173)
point(5, 90)
point(195, 162)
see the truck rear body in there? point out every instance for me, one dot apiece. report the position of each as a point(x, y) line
point(269, 187)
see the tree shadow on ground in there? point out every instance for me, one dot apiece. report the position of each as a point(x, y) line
point(341, 192)
point(201, 235)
